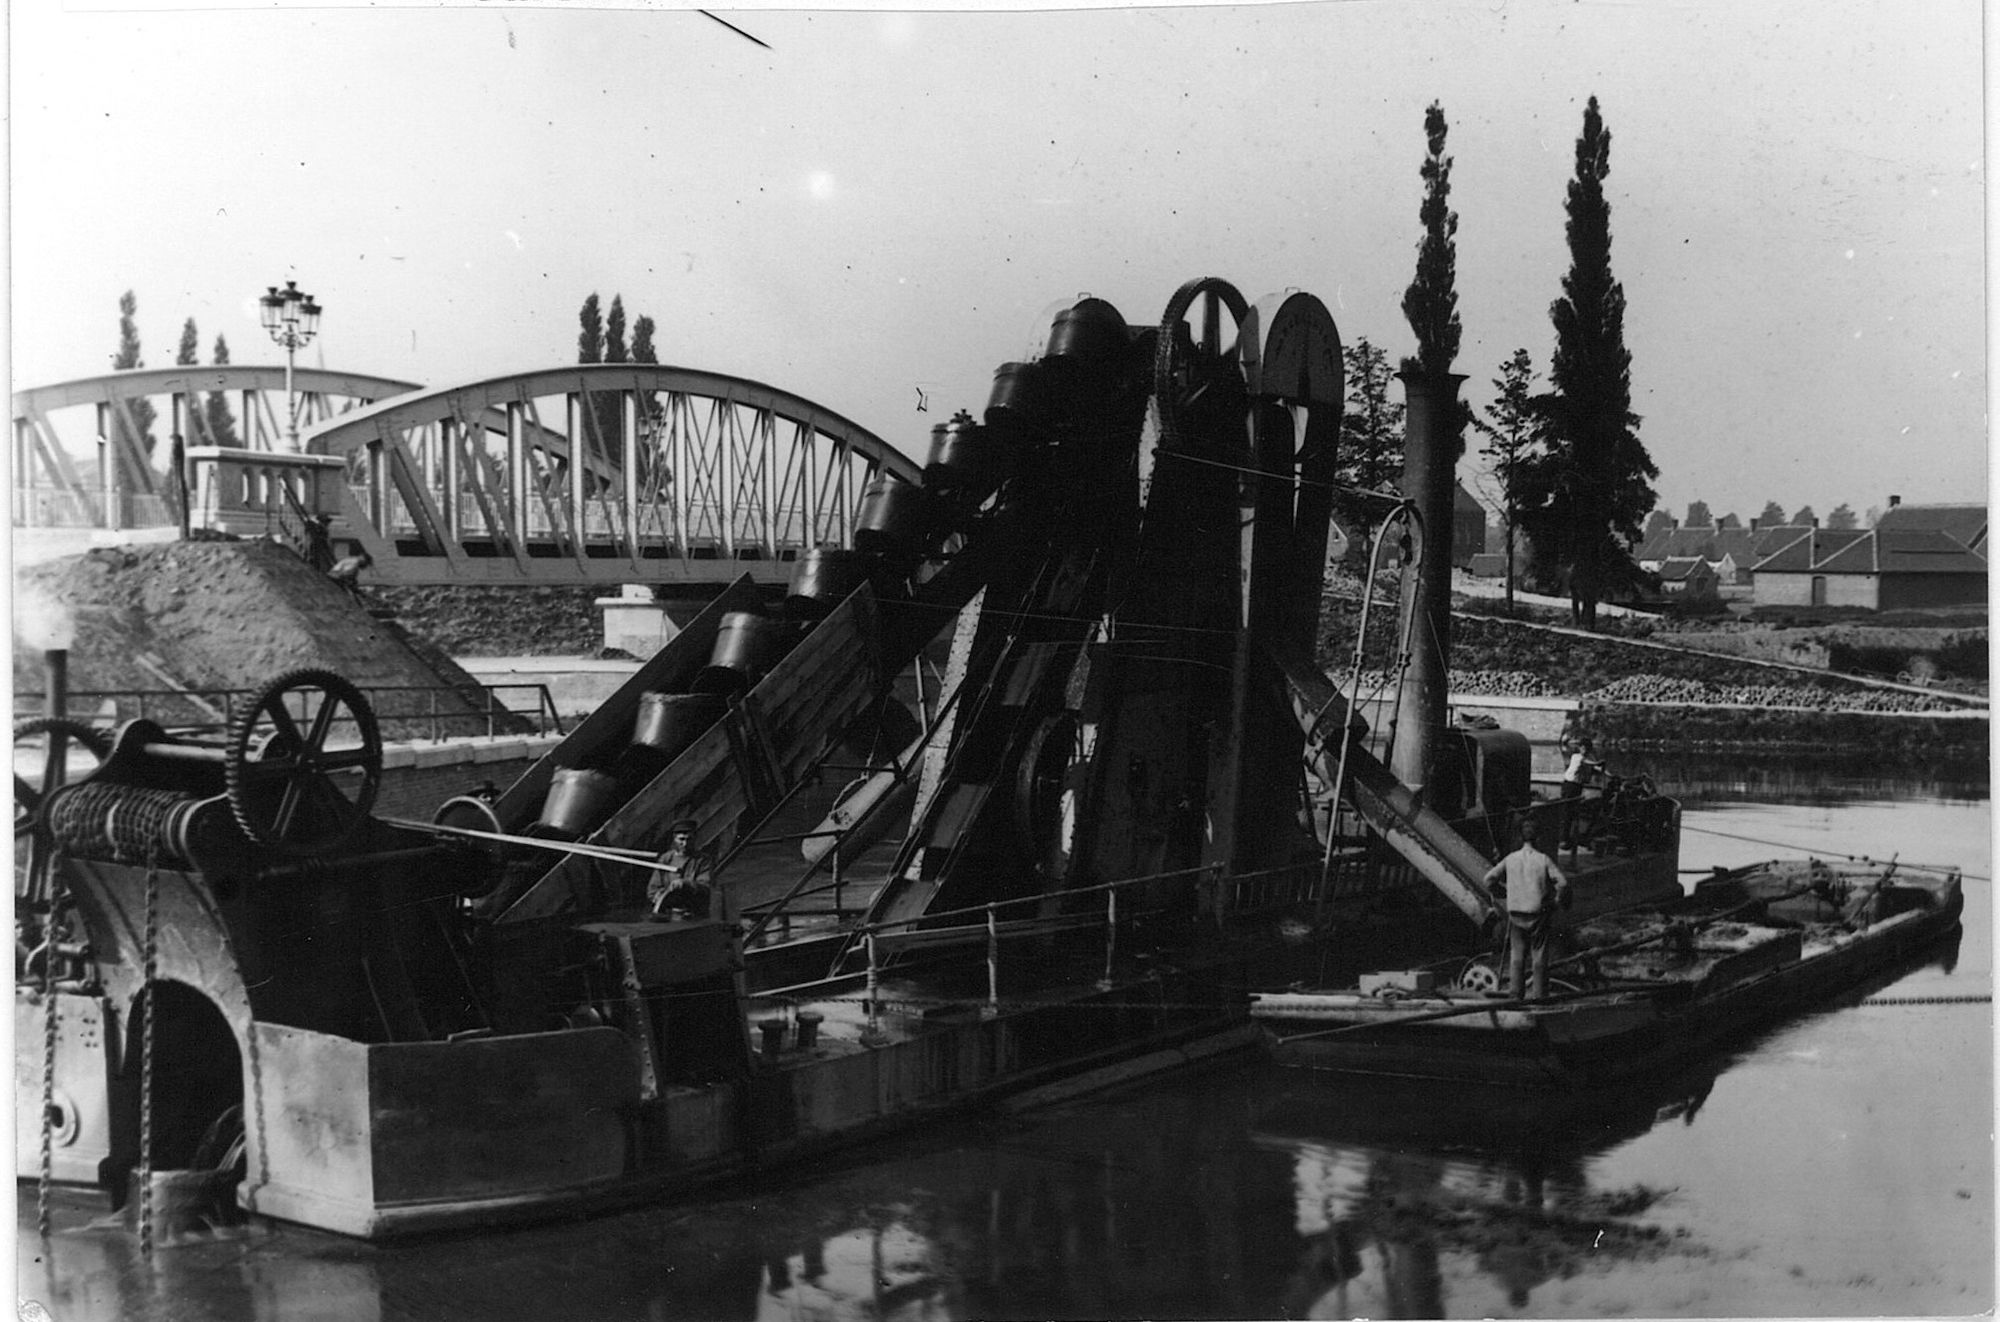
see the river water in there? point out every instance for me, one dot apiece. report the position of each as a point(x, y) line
point(1841, 1164)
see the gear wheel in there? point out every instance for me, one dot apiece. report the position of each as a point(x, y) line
point(288, 787)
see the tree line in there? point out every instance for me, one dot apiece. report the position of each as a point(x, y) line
point(214, 405)
point(1840, 518)
point(1574, 477)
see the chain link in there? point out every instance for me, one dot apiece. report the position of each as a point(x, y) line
point(56, 896)
point(146, 988)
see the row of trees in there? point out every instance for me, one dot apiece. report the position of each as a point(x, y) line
point(601, 339)
point(1699, 515)
point(215, 406)
point(1572, 471)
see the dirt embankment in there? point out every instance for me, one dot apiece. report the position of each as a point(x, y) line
point(199, 618)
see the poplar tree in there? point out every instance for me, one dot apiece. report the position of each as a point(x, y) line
point(221, 422)
point(590, 348)
point(1592, 487)
point(614, 331)
point(642, 341)
point(590, 340)
point(1430, 304)
point(643, 352)
point(190, 346)
point(126, 359)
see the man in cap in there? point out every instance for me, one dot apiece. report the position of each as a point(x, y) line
point(682, 886)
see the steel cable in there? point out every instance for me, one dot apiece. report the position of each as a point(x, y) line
point(1824, 853)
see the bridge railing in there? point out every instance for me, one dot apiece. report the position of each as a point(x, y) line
point(42, 505)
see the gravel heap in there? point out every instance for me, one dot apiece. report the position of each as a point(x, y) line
point(215, 615)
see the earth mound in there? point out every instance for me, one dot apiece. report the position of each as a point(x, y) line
point(198, 626)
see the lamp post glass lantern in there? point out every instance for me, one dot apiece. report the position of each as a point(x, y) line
point(292, 318)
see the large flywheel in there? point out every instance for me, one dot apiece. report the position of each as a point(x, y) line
point(303, 763)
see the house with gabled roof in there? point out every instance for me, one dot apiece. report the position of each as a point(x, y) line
point(1687, 576)
point(1881, 568)
point(1964, 524)
point(1729, 551)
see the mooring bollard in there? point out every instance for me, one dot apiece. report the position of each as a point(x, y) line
point(992, 962)
point(1110, 937)
point(872, 1035)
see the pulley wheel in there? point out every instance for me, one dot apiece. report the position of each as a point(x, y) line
point(1478, 977)
point(1185, 359)
point(303, 763)
point(1044, 799)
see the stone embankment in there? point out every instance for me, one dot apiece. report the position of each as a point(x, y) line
point(1653, 693)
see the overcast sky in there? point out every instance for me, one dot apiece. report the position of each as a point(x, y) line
point(884, 201)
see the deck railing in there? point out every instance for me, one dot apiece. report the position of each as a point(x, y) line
point(436, 712)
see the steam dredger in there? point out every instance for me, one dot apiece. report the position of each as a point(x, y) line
point(380, 1026)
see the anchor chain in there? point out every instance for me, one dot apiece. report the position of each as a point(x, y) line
point(152, 956)
point(56, 897)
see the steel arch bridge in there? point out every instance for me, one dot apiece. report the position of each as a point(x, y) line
point(581, 474)
point(605, 473)
point(84, 457)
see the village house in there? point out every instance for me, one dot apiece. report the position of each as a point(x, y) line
point(1687, 576)
point(1468, 527)
point(1728, 549)
point(1916, 556)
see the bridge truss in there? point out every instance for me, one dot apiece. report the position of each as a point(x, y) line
point(86, 455)
point(607, 473)
point(583, 474)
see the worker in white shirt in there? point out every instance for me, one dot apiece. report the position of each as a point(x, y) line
point(1581, 771)
point(1533, 887)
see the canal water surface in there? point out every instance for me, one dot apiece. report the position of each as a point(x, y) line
point(1840, 1164)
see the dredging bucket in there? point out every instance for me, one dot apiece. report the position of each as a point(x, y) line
point(669, 722)
point(577, 800)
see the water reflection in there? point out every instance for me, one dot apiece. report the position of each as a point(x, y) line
point(1393, 1180)
point(1263, 1193)
point(890, 1272)
point(1696, 778)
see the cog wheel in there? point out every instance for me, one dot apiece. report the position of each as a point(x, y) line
point(303, 783)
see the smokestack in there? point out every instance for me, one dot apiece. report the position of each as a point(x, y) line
point(1429, 462)
point(1895, 501)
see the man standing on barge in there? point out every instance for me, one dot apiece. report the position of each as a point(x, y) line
point(1534, 886)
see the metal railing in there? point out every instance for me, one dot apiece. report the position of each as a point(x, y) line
point(439, 711)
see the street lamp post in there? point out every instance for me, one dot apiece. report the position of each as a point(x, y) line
point(292, 318)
